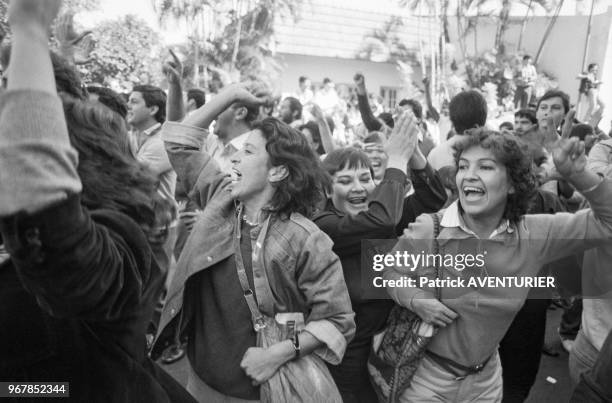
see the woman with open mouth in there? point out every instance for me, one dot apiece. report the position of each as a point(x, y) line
point(495, 181)
point(358, 209)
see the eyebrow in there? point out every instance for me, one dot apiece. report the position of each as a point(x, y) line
point(479, 160)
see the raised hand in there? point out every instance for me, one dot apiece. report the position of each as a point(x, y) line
point(173, 70)
point(75, 47)
point(317, 112)
point(569, 152)
point(404, 137)
point(359, 80)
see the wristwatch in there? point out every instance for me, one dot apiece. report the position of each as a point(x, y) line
point(296, 346)
point(293, 336)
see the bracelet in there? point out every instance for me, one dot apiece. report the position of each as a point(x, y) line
point(594, 186)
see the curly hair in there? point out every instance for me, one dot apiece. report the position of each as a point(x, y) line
point(302, 189)
point(514, 154)
point(112, 178)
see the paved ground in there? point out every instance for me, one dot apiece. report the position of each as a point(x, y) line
point(542, 392)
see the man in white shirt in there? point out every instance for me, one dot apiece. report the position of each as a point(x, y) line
point(525, 82)
point(146, 113)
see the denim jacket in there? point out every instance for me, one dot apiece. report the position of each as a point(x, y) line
point(299, 265)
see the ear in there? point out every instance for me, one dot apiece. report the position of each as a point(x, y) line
point(241, 113)
point(277, 174)
point(153, 110)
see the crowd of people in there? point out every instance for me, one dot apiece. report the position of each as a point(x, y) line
point(226, 232)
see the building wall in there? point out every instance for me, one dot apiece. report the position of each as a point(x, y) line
point(563, 51)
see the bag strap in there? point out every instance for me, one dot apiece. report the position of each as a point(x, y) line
point(436, 231)
point(256, 316)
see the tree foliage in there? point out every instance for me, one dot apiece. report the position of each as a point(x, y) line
point(124, 53)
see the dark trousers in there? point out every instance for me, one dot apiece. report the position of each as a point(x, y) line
point(521, 348)
point(351, 375)
point(596, 385)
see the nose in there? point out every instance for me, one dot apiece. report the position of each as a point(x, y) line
point(235, 158)
point(357, 187)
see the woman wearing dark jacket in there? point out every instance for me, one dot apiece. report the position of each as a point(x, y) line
point(79, 288)
point(358, 210)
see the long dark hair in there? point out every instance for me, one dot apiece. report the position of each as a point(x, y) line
point(112, 178)
point(302, 189)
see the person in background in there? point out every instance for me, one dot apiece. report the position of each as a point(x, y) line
point(467, 110)
point(305, 94)
point(524, 121)
point(525, 81)
point(195, 99)
point(290, 112)
point(589, 87)
point(506, 127)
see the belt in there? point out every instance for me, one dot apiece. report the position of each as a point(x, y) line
point(455, 368)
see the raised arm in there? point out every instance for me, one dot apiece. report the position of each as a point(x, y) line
point(175, 108)
point(37, 162)
point(369, 120)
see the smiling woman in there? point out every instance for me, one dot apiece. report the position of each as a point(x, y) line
point(495, 181)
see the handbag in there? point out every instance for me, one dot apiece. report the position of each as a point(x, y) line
point(397, 351)
point(304, 380)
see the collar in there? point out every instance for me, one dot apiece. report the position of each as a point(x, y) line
point(234, 144)
point(452, 219)
point(151, 130)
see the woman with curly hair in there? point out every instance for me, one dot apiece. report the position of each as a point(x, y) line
point(495, 182)
point(253, 228)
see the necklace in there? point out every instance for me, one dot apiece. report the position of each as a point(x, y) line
point(252, 224)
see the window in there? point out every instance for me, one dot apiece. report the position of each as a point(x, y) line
point(389, 96)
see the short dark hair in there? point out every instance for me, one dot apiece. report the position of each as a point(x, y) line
point(302, 79)
point(415, 105)
point(110, 99)
point(514, 154)
point(591, 65)
point(295, 106)
point(153, 96)
point(582, 130)
point(327, 80)
point(347, 157)
point(506, 125)
point(301, 190)
point(198, 96)
point(527, 114)
point(556, 94)
point(467, 110)
point(526, 57)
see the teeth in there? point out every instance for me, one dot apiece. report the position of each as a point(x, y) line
point(472, 189)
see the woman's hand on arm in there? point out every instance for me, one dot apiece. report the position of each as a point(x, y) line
point(260, 364)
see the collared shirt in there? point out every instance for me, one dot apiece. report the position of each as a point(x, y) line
point(151, 151)
point(222, 153)
point(451, 218)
